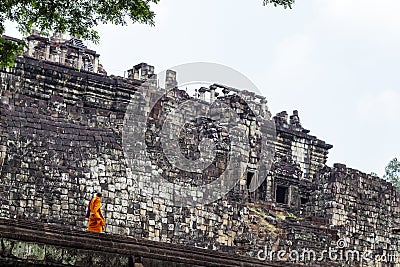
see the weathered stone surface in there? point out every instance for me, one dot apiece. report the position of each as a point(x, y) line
point(61, 141)
point(39, 245)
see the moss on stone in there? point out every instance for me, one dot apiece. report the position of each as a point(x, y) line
point(83, 257)
point(6, 247)
point(31, 251)
point(53, 254)
point(69, 256)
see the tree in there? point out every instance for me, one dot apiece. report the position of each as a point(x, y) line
point(77, 18)
point(392, 173)
point(285, 3)
point(8, 50)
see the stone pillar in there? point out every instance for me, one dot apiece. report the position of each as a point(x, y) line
point(294, 119)
point(144, 71)
point(202, 92)
point(212, 94)
point(136, 74)
point(170, 80)
point(150, 70)
point(31, 48)
point(47, 52)
point(263, 103)
point(96, 63)
point(86, 64)
point(270, 189)
point(79, 60)
point(63, 54)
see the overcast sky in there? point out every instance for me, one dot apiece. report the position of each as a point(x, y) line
point(335, 61)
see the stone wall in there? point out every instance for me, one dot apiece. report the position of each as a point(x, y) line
point(62, 142)
point(36, 244)
point(363, 208)
point(61, 134)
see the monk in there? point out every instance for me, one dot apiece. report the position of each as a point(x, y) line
point(96, 218)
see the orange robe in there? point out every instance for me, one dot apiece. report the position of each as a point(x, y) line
point(96, 220)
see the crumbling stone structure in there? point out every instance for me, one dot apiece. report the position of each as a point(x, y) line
point(72, 52)
point(61, 140)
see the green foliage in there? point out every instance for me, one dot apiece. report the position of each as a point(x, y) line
point(291, 215)
point(392, 173)
point(9, 49)
point(284, 3)
point(77, 18)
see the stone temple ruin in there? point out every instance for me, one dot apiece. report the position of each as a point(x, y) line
point(61, 128)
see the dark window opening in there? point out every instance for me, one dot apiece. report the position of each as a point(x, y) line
point(303, 200)
point(282, 194)
point(131, 261)
point(250, 176)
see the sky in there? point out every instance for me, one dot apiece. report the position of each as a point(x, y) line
point(335, 61)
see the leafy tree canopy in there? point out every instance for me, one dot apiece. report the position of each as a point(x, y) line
point(76, 17)
point(392, 173)
point(285, 3)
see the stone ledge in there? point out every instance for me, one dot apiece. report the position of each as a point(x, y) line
point(24, 242)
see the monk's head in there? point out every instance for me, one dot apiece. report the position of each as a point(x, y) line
point(99, 194)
